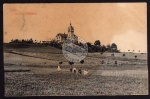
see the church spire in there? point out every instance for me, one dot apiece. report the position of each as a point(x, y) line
point(70, 22)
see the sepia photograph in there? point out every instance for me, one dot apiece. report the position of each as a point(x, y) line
point(75, 49)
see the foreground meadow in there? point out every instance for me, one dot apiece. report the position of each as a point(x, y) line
point(33, 71)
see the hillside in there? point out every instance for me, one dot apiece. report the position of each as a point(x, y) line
point(32, 70)
point(31, 48)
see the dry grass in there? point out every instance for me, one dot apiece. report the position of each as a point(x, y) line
point(30, 73)
point(65, 83)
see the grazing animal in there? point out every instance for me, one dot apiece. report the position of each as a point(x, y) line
point(79, 71)
point(58, 68)
point(85, 72)
point(74, 70)
point(70, 69)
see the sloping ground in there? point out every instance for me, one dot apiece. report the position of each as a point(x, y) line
point(30, 72)
point(40, 79)
point(34, 48)
point(128, 56)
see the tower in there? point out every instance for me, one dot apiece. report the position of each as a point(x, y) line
point(70, 32)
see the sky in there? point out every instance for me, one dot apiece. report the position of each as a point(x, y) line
point(122, 23)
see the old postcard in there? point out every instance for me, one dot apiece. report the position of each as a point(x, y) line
point(75, 49)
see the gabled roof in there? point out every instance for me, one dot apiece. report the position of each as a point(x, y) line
point(75, 36)
point(63, 35)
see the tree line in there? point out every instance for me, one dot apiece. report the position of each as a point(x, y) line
point(96, 47)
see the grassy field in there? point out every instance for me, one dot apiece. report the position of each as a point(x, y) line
point(32, 71)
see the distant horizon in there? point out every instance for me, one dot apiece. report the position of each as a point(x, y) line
point(110, 52)
point(124, 24)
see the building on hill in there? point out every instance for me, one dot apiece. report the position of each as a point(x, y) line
point(71, 34)
point(61, 37)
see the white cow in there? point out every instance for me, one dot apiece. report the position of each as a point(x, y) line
point(85, 72)
point(58, 68)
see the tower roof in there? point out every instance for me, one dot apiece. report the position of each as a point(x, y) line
point(70, 26)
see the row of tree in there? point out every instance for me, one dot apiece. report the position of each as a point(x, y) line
point(27, 41)
point(96, 47)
